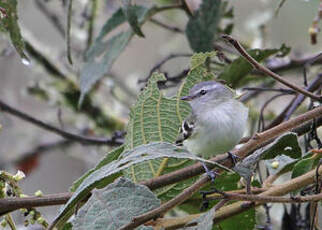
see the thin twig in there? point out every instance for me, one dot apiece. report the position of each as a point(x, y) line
point(287, 91)
point(79, 138)
point(291, 107)
point(161, 63)
point(69, 24)
point(52, 17)
point(165, 26)
point(91, 23)
point(168, 7)
point(314, 85)
point(265, 70)
point(269, 199)
point(250, 95)
point(294, 63)
point(261, 122)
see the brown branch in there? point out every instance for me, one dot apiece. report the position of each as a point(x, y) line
point(264, 89)
point(295, 103)
point(314, 85)
point(238, 207)
point(268, 199)
point(295, 63)
point(11, 204)
point(162, 62)
point(247, 148)
point(265, 70)
point(79, 138)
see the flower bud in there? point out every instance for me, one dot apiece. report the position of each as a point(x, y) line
point(39, 193)
point(275, 164)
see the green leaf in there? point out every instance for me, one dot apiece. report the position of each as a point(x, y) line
point(286, 144)
point(68, 226)
point(280, 164)
point(198, 59)
point(154, 118)
point(115, 206)
point(303, 166)
point(111, 156)
point(102, 55)
point(108, 173)
point(244, 221)
point(95, 68)
point(203, 25)
point(130, 13)
point(9, 23)
point(235, 72)
point(225, 182)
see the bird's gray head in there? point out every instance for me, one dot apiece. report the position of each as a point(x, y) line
point(208, 93)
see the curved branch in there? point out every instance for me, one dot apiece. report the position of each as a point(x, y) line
point(265, 70)
point(269, 199)
point(79, 138)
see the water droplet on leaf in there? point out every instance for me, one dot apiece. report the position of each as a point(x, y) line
point(25, 61)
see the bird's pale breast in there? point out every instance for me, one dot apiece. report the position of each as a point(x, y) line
point(218, 130)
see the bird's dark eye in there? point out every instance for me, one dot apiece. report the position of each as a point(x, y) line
point(203, 92)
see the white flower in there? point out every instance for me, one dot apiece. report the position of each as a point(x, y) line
point(19, 175)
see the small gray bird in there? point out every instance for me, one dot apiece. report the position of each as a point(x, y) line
point(217, 122)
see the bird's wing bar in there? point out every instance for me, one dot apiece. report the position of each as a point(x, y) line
point(186, 131)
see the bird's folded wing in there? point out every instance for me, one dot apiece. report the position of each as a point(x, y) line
point(186, 130)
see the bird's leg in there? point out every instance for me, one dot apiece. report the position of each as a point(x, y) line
point(211, 174)
point(234, 158)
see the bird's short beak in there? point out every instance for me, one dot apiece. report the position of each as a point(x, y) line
point(187, 98)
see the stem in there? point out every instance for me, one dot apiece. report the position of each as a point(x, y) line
point(54, 19)
point(162, 62)
point(265, 70)
point(11, 204)
point(69, 23)
point(91, 23)
point(82, 139)
point(165, 26)
point(269, 199)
